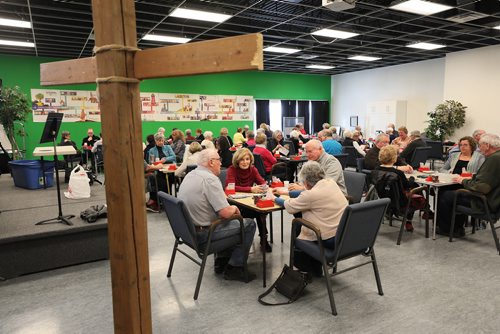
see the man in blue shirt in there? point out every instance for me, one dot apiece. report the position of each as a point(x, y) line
point(330, 145)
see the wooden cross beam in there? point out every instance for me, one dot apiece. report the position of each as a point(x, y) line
point(118, 68)
point(219, 55)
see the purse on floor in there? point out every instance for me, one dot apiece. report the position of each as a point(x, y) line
point(290, 283)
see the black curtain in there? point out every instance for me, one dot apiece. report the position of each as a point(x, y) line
point(288, 109)
point(319, 114)
point(304, 112)
point(262, 112)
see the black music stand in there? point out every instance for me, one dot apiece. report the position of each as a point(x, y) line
point(50, 132)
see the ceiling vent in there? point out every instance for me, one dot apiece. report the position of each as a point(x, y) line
point(339, 5)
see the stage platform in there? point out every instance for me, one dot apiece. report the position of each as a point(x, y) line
point(27, 248)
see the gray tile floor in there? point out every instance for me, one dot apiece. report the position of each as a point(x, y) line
point(430, 286)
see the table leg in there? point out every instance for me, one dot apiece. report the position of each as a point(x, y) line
point(434, 219)
point(168, 184)
point(263, 239)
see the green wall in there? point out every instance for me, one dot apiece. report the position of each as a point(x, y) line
point(25, 73)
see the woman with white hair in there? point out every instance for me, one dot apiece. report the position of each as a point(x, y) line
point(322, 203)
point(208, 142)
point(194, 150)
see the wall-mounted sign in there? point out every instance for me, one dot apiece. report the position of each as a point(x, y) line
point(83, 106)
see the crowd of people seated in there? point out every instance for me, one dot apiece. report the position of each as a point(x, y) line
point(320, 194)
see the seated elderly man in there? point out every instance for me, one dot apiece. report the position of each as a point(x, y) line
point(205, 200)
point(330, 145)
point(330, 164)
point(371, 157)
point(322, 203)
point(486, 181)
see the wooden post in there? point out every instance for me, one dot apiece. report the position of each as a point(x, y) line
point(117, 70)
point(114, 24)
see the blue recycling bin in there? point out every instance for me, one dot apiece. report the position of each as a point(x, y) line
point(29, 174)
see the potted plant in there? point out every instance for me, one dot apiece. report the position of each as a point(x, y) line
point(445, 119)
point(14, 106)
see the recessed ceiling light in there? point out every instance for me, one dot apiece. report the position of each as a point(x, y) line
point(199, 15)
point(334, 33)
point(364, 58)
point(16, 43)
point(426, 46)
point(15, 23)
point(168, 39)
point(320, 67)
point(280, 49)
point(497, 27)
point(420, 7)
point(307, 56)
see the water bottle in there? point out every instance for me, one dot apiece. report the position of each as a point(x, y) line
point(151, 158)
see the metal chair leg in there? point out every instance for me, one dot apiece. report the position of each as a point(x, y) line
point(329, 286)
point(281, 226)
point(495, 236)
point(377, 275)
point(172, 258)
point(200, 276)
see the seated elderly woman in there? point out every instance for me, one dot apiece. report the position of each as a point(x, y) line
point(322, 203)
point(356, 139)
point(276, 142)
point(260, 148)
point(246, 178)
point(178, 144)
point(207, 142)
point(250, 137)
point(190, 158)
point(163, 153)
point(467, 158)
point(388, 156)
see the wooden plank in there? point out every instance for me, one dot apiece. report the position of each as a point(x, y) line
point(75, 71)
point(229, 54)
point(114, 23)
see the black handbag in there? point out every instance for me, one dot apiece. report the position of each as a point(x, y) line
point(290, 283)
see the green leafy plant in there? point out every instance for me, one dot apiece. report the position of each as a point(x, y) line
point(445, 119)
point(14, 106)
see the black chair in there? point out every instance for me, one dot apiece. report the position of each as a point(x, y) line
point(279, 170)
point(342, 158)
point(356, 235)
point(419, 156)
point(355, 184)
point(485, 213)
point(222, 177)
point(190, 168)
point(352, 155)
point(360, 168)
point(388, 185)
point(436, 151)
point(99, 159)
point(259, 164)
point(185, 233)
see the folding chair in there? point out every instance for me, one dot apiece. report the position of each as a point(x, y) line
point(483, 214)
point(356, 235)
point(185, 233)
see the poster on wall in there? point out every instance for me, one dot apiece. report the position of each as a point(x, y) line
point(83, 106)
point(76, 105)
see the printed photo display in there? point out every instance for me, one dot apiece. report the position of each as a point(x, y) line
point(83, 106)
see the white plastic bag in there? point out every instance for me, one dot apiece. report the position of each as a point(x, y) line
point(78, 186)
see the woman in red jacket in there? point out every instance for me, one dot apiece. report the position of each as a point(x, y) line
point(266, 155)
point(246, 178)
